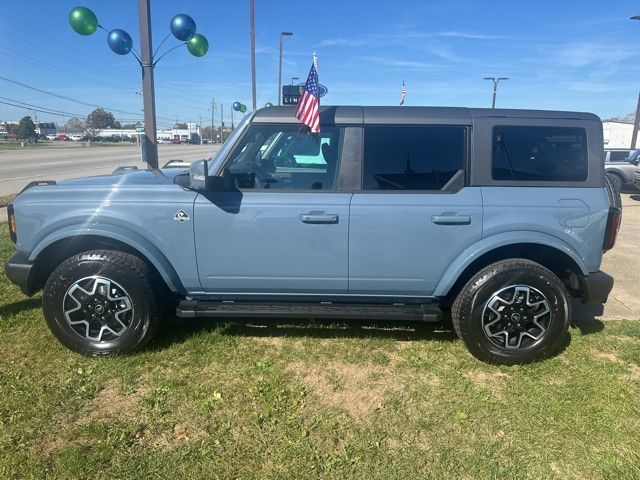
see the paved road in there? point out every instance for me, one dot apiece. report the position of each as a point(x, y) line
point(19, 167)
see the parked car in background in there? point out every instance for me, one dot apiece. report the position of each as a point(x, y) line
point(620, 167)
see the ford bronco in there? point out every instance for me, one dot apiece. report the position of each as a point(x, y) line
point(395, 213)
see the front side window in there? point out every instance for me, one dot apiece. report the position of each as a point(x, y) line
point(286, 157)
point(412, 158)
point(551, 154)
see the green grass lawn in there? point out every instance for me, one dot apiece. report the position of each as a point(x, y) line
point(312, 401)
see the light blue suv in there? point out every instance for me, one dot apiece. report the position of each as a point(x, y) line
point(394, 213)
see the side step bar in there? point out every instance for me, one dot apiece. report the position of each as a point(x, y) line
point(197, 309)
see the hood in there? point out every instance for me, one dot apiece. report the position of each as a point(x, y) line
point(131, 177)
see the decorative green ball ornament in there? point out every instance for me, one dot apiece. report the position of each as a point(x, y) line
point(268, 105)
point(243, 108)
point(198, 45)
point(83, 21)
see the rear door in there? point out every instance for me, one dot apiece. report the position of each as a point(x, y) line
point(414, 215)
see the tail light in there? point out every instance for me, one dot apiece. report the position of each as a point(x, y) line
point(613, 225)
point(11, 217)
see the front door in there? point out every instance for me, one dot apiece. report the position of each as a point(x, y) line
point(285, 231)
point(413, 216)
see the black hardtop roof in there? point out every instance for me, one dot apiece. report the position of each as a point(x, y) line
point(411, 115)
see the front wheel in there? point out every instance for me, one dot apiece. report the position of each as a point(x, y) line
point(512, 312)
point(101, 303)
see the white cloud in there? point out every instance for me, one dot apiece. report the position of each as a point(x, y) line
point(586, 54)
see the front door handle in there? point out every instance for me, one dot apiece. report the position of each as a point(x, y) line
point(451, 219)
point(313, 217)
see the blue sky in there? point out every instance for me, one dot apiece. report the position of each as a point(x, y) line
point(569, 54)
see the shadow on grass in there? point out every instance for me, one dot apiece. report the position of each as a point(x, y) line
point(20, 306)
point(180, 330)
point(584, 318)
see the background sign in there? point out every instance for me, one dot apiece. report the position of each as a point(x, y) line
point(291, 93)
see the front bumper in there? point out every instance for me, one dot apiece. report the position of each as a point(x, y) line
point(20, 271)
point(595, 287)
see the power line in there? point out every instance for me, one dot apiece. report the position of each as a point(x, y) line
point(47, 66)
point(53, 52)
point(43, 109)
point(63, 97)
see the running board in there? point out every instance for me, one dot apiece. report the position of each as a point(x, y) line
point(198, 309)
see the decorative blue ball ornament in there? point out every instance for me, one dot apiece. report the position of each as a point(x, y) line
point(237, 106)
point(183, 27)
point(119, 41)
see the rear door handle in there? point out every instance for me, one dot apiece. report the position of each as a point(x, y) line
point(319, 218)
point(451, 219)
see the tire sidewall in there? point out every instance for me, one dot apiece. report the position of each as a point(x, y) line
point(486, 286)
point(70, 272)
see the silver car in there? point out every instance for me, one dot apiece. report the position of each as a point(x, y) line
point(620, 166)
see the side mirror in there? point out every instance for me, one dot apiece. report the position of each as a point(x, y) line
point(199, 179)
point(199, 175)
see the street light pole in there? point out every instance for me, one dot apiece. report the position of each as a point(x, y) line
point(495, 81)
point(282, 34)
point(253, 54)
point(150, 146)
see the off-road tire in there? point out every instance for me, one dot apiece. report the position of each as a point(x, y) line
point(613, 193)
point(125, 270)
point(469, 307)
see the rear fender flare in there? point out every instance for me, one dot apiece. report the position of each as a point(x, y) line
point(493, 242)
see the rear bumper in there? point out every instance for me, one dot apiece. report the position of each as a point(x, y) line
point(596, 288)
point(20, 271)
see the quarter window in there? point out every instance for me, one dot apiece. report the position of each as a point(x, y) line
point(412, 158)
point(551, 154)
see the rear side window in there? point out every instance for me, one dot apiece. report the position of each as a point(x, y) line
point(412, 158)
point(539, 154)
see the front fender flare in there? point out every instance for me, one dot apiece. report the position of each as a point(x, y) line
point(487, 244)
point(120, 234)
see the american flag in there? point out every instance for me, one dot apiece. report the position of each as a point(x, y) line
point(403, 93)
point(308, 107)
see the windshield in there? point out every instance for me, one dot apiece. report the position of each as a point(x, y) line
point(227, 146)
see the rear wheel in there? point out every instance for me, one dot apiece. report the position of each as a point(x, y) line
point(512, 312)
point(101, 303)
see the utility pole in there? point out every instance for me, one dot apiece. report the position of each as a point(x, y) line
point(149, 145)
point(282, 34)
point(636, 119)
point(495, 81)
point(200, 129)
point(253, 53)
point(221, 124)
point(213, 109)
